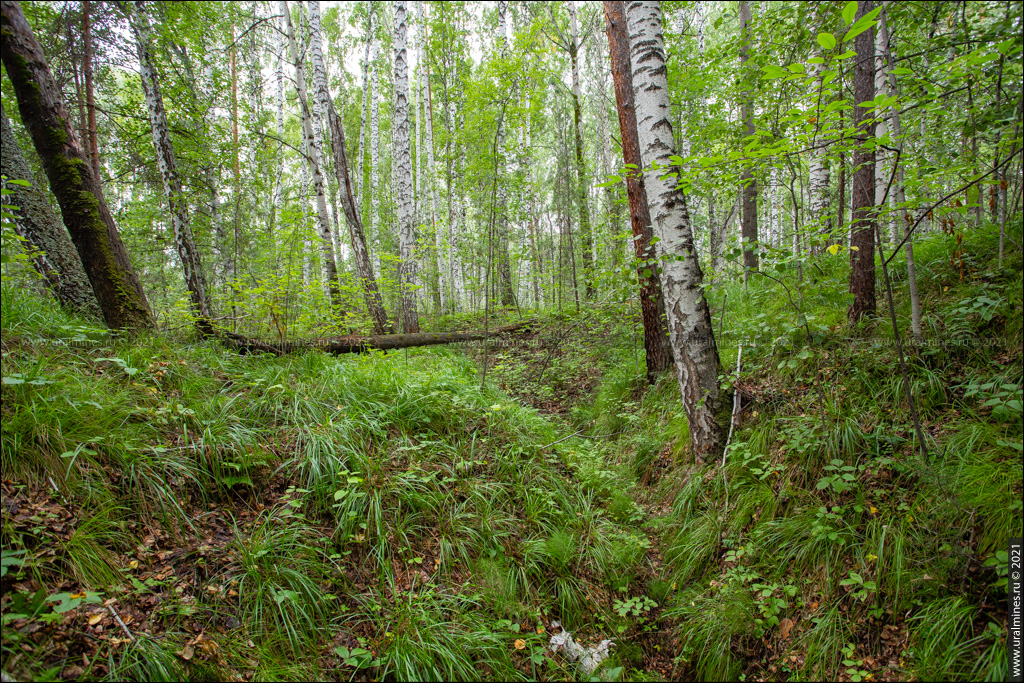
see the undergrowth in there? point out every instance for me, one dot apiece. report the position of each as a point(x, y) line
point(383, 516)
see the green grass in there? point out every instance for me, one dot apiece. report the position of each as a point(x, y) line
point(390, 501)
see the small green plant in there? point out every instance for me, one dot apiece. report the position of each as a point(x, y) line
point(1001, 563)
point(771, 605)
point(860, 588)
point(356, 657)
point(1004, 399)
point(855, 672)
point(839, 477)
point(11, 558)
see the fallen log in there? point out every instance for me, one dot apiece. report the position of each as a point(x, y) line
point(354, 344)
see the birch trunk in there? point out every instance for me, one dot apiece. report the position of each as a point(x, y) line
point(191, 264)
point(360, 254)
point(321, 99)
point(444, 283)
point(900, 189)
point(372, 224)
point(279, 78)
point(328, 266)
point(657, 344)
point(882, 157)
point(407, 278)
point(361, 155)
point(689, 319)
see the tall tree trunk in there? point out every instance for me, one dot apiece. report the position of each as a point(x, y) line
point(689, 319)
point(818, 181)
point(90, 96)
point(586, 234)
point(321, 100)
point(374, 224)
point(536, 268)
point(329, 267)
point(862, 215)
point(430, 188)
point(407, 276)
point(279, 83)
point(191, 264)
point(883, 160)
point(900, 189)
point(657, 344)
point(360, 254)
point(78, 191)
point(748, 182)
point(53, 253)
point(361, 155)
point(504, 280)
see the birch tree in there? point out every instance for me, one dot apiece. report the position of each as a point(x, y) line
point(657, 344)
point(407, 275)
point(328, 266)
point(687, 313)
point(900, 187)
point(181, 227)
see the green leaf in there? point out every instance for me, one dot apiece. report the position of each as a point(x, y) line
point(827, 40)
point(850, 11)
point(863, 24)
point(771, 71)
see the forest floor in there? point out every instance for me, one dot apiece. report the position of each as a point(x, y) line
point(173, 510)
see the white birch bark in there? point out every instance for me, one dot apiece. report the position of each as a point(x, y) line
point(307, 244)
point(321, 97)
point(363, 116)
point(191, 264)
point(407, 276)
point(900, 190)
point(328, 265)
point(431, 186)
point(689, 319)
point(882, 156)
point(374, 194)
point(279, 82)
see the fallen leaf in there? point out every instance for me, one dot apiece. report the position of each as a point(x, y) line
point(785, 626)
point(519, 644)
point(134, 564)
point(187, 652)
point(95, 619)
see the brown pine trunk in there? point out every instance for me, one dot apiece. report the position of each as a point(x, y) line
point(862, 215)
point(114, 282)
point(652, 303)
